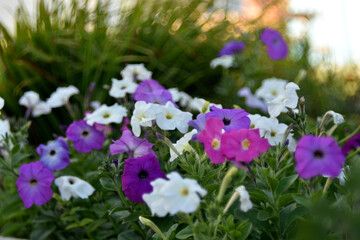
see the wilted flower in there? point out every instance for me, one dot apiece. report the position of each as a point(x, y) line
point(174, 195)
point(138, 174)
point(133, 146)
point(61, 96)
point(232, 118)
point(225, 61)
point(70, 186)
point(136, 72)
point(106, 114)
point(31, 100)
point(182, 145)
point(318, 156)
point(120, 88)
point(34, 184)
point(276, 46)
point(169, 117)
point(55, 155)
point(232, 48)
point(85, 137)
point(245, 202)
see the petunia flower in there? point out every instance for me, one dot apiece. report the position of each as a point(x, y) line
point(31, 100)
point(281, 103)
point(2, 103)
point(276, 46)
point(232, 118)
point(143, 115)
point(174, 195)
point(245, 202)
point(199, 104)
point(271, 88)
point(120, 88)
point(170, 118)
point(182, 145)
point(55, 155)
point(136, 72)
point(34, 184)
point(211, 138)
point(198, 124)
point(253, 120)
point(70, 186)
point(133, 146)
point(232, 48)
point(4, 129)
point(85, 137)
point(225, 61)
point(243, 145)
point(183, 98)
point(151, 91)
point(61, 96)
point(251, 100)
point(318, 156)
point(352, 144)
point(107, 114)
point(138, 174)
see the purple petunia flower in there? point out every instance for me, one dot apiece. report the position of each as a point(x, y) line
point(85, 137)
point(232, 48)
point(199, 124)
point(133, 146)
point(151, 91)
point(318, 156)
point(138, 174)
point(351, 144)
point(55, 155)
point(232, 118)
point(34, 184)
point(276, 46)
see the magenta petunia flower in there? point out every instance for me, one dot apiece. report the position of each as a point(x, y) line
point(243, 145)
point(232, 118)
point(211, 138)
point(276, 46)
point(34, 184)
point(232, 48)
point(151, 91)
point(133, 146)
point(318, 156)
point(55, 155)
point(138, 174)
point(352, 144)
point(85, 137)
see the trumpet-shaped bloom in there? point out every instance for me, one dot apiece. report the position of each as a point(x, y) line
point(232, 48)
point(143, 115)
point(271, 88)
point(151, 91)
point(183, 98)
point(133, 146)
point(245, 202)
point(182, 145)
point(136, 72)
point(169, 117)
point(211, 138)
point(34, 184)
point(106, 114)
point(85, 137)
point(120, 88)
point(198, 104)
point(31, 100)
point(318, 156)
point(281, 103)
point(138, 174)
point(174, 195)
point(70, 186)
point(276, 46)
point(232, 118)
point(243, 145)
point(61, 96)
point(55, 155)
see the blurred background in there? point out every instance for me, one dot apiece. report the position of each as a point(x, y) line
point(49, 43)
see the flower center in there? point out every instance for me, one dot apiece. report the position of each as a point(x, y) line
point(71, 181)
point(273, 133)
point(122, 87)
point(245, 144)
point(226, 121)
point(168, 116)
point(252, 126)
point(85, 133)
point(106, 115)
point(318, 154)
point(143, 174)
point(184, 191)
point(215, 144)
point(33, 182)
point(274, 92)
point(52, 152)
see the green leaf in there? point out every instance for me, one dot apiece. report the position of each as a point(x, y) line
point(285, 183)
point(273, 183)
point(42, 233)
point(85, 221)
point(302, 201)
point(108, 184)
point(245, 229)
point(284, 199)
point(263, 215)
point(272, 162)
point(129, 235)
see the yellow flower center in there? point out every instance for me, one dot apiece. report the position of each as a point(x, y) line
point(273, 133)
point(274, 92)
point(184, 191)
point(168, 116)
point(252, 126)
point(245, 144)
point(215, 144)
point(106, 115)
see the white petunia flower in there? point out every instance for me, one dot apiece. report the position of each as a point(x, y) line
point(182, 97)
point(199, 103)
point(271, 88)
point(174, 195)
point(2, 103)
point(253, 119)
point(338, 118)
point(288, 99)
point(70, 186)
point(182, 145)
point(136, 72)
point(120, 88)
point(170, 118)
point(32, 101)
point(4, 129)
point(106, 114)
point(61, 96)
point(95, 104)
point(143, 115)
point(225, 61)
point(271, 129)
point(245, 202)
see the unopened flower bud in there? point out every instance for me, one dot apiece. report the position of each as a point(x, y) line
point(152, 225)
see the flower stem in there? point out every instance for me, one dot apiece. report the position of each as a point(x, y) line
point(350, 135)
point(327, 185)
